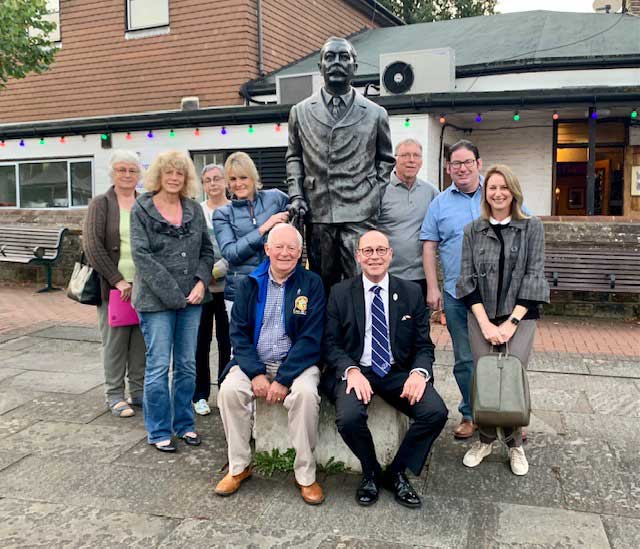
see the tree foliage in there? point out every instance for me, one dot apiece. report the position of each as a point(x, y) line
point(419, 11)
point(24, 38)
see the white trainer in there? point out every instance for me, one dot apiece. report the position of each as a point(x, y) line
point(475, 454)
point(518, 461)
point(201, 407)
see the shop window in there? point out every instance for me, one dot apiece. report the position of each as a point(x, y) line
point(46, 184)
point(147, 14)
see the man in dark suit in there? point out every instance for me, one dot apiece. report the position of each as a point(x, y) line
point(338, 164)
point(377, 341)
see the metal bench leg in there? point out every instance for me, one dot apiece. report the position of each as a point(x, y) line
point(49, 287)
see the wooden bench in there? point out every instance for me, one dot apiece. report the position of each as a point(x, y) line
point(593, 270)
point(32, 244)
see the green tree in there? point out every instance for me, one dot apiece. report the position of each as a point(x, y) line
point(24, 38)
point(419, 11)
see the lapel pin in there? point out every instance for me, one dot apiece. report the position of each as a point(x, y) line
point(395, 297)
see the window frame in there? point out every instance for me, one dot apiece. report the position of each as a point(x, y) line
point(130, 29)
point(69, 160)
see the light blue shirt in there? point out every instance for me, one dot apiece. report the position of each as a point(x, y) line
point(274, 343)
point(446, 218)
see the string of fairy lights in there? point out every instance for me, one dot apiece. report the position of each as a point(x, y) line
point(226, 130)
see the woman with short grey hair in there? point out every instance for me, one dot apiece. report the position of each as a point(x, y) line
point(107, 246)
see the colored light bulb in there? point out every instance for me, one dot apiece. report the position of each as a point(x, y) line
point(196, 132)
point(223, 131)
point(407, 122)
point(278, 127)
point(104, 136)
point(63, 140)
point(594, 114)
point(22, 143)
point(150, 134)
point(443, 119)
point(555, 115)
point(479, 118)
point(2, 143)
point(172, 133)
point(634, 113)
point(42, 141)
point(251, 130)
point(516, 117)
point(129, 137)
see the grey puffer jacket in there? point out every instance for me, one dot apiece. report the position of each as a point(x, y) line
point(169, 259)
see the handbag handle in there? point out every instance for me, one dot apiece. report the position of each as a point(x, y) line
point(496, 349)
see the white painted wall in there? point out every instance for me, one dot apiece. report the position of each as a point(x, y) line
point(527, 151)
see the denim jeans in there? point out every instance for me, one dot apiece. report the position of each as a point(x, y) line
point(166, 333)
point(456, 313)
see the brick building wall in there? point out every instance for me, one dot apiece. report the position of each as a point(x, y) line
point(210, 51)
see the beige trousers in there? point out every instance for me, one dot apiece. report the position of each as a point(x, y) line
point(235, 399)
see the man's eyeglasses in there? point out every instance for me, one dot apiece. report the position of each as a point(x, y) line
point(124, 171)
point(407, 156)
point(381, 251)
point(468, 163)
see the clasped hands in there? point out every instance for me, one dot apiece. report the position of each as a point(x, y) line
point(272, 391)
point(412, 390)
point(497, 335)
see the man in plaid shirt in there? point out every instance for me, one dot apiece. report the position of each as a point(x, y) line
point(277, 325)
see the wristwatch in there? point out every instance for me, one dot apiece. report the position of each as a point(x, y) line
point(515, 321)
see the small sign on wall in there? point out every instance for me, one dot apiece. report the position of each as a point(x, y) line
point(635, 181)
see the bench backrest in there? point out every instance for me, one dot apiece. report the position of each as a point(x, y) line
point(26, 243)
point(593, 270)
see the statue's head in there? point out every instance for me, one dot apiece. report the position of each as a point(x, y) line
point(337, 64)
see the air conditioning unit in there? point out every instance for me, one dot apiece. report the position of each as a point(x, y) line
point(412, 72)
point(291, 89)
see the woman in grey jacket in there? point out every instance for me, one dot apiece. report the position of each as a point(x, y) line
point(241, 226)
point(502, 282)
point(173, 256)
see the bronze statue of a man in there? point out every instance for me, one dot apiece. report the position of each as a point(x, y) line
point(338, 164)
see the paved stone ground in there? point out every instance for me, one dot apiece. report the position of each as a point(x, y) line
point(72, 475)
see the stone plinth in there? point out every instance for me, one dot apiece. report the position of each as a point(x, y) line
point(387, 425)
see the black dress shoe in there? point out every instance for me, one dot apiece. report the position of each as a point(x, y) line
point(367, 492)
point(401, 488)
point(171, 447)
point(192, 441)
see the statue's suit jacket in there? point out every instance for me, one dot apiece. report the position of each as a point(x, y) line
point(341, 168)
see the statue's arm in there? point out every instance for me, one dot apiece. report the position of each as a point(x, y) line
point(295, 166)
point(384, 151)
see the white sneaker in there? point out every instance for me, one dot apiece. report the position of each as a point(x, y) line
point(518, 461)
point(201, 407)
point(477, 452)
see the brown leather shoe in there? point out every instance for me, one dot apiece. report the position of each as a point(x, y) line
point(312, 494)
point(230, 483)
point(465, 429)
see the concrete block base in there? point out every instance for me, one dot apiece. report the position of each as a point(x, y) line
point(387, 425)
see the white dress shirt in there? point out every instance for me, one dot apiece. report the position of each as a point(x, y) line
point(365, 359)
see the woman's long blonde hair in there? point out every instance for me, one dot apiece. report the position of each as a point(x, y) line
point(512, 184)
point(178, 161)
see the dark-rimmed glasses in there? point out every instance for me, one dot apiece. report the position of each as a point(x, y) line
point(381, 251)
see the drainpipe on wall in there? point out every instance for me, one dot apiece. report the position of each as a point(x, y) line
point(260, 60)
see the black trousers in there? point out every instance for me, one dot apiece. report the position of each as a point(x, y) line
point(429, 416)
point(213, 309)
point(331, 249)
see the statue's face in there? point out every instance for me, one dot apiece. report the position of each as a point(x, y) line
point(337, 65)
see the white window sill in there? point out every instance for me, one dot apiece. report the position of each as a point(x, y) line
point(146, 33)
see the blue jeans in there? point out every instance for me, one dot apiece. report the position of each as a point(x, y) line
point(456, 313)
point(167, 332)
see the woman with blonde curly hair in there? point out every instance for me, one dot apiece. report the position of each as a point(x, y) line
point(174, 257)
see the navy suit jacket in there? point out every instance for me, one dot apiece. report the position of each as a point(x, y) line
point(409, 337)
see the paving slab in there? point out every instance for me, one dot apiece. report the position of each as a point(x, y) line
point(77, 333)
point(9, 458)
point(18, 344)
point(38, 524)
point(492, 480)
point(611, 396)
point(54, 382)
point(613, 368)
point(605, 427)
point(528, 526)
point(6, 373)
point(206, 533)
point(5, 354)
point(542, 421)
point(547, 362)
point(98, 444)
point(60, 407)
point(58, 362)
point(441, 522)
point(11, 397)
point(623, 533)
point(12, 425)
point(166, 492)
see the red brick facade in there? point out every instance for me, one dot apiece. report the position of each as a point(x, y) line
point(210, 51)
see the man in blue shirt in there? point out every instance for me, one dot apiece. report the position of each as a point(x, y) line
point(277, 323)
point(442, 230)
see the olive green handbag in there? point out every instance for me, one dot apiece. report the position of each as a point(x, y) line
point(500, 391)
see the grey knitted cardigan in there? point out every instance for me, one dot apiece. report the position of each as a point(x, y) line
point(169, 259)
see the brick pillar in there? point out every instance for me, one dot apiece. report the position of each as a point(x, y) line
point(634, 7)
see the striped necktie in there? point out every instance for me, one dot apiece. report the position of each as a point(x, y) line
point(380, 356)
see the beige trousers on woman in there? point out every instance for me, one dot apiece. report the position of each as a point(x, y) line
point(303, 405)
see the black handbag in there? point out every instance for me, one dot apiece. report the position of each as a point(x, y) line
point(84, 285)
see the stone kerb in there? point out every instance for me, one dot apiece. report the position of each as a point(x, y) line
point(387, 425)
